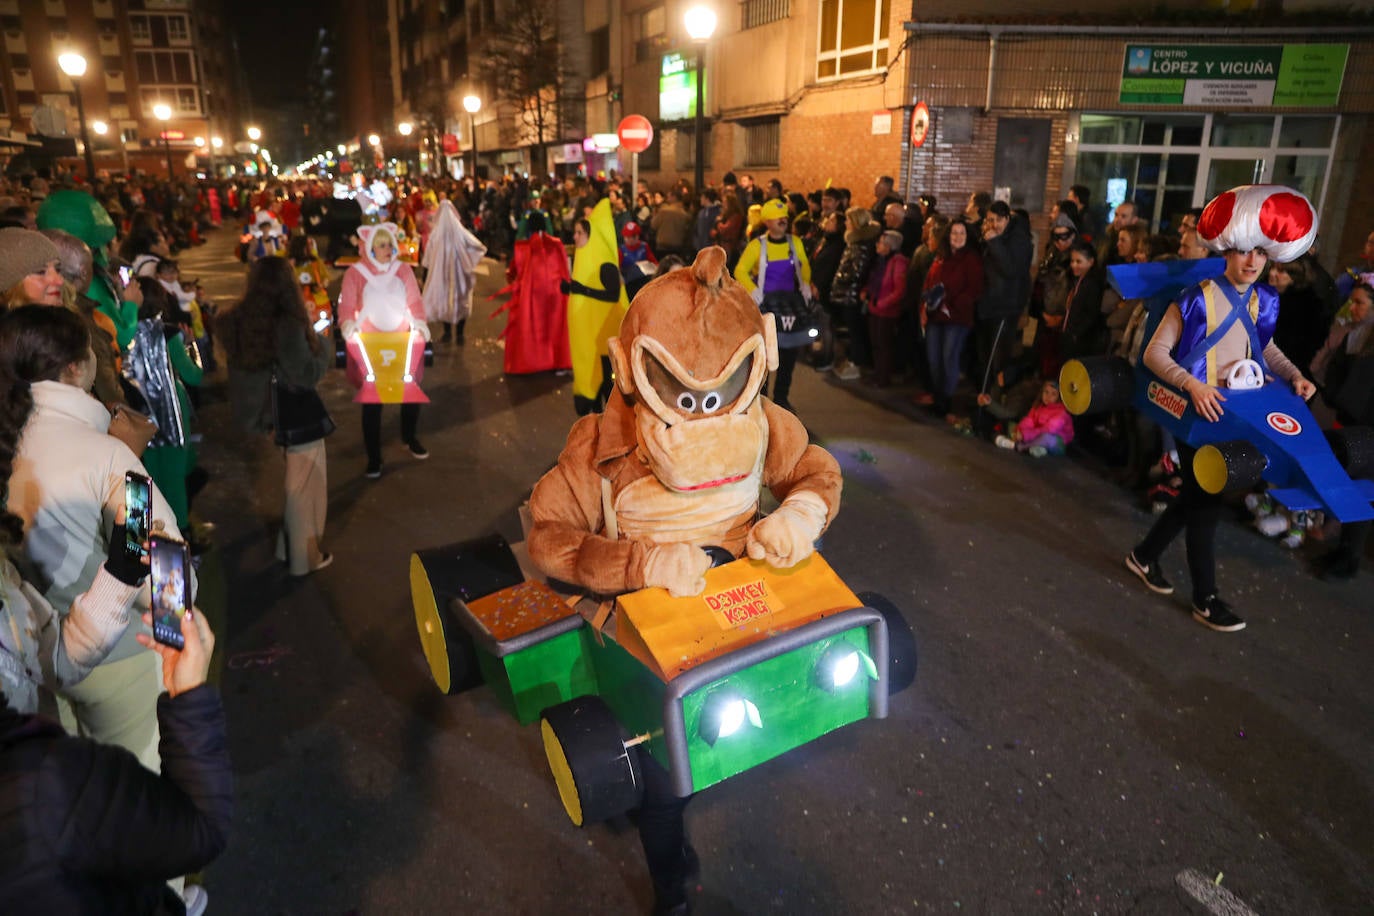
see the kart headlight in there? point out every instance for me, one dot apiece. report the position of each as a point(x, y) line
point(840, 664)
point(726, 712)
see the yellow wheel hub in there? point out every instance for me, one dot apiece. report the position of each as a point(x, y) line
point(1209, 467)
point(562, 773)
point(430, 624)
point(1075, 388)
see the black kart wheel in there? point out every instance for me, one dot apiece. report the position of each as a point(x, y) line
point(596, 774)
point(1228, 467)
point(1096, 384)
point(901, 643)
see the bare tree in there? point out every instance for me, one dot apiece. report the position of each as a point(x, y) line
point(525, 62)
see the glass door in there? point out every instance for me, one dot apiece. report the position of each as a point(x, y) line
point(1224, 173)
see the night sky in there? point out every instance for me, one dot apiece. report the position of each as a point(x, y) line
point(275, 42)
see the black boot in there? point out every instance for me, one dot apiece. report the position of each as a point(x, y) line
point(448, 333)
point(458, 331)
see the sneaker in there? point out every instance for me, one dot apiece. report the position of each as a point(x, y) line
point(1217, 614)
point(417, 450)
point(847, 373)
point(374, 470)
point(1154, 579)
point(196, 899)
point(1004, 442)
point(1038, 451)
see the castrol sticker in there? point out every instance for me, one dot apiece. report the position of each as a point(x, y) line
point(1167, 400)
point(1283, 423)
point(739, 605)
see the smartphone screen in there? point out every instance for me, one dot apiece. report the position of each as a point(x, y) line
point(322, 323)
point(171, 563)
point(138, 506)
point(125, 273)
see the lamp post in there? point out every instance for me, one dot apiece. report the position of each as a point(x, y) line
point(163, 113)
point(74, 65)
point(215, 144)
point(701, 25)
point(472, 104)
point(405, 129)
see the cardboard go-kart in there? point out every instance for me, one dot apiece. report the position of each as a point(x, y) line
point(1266, 432)
point(761, 662)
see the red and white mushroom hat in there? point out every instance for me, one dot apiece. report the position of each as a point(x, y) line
point(1275, 218)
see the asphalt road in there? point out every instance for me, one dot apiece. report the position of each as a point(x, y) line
point(1072, 743)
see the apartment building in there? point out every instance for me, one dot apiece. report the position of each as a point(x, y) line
point(139, 54)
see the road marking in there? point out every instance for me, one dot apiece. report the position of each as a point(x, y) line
point(1218, 900)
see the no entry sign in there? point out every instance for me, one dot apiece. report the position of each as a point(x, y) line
point(635, 133)
point(920, 124)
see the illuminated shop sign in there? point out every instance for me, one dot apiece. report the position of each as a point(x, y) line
point(1286, 76)
point(677, 88)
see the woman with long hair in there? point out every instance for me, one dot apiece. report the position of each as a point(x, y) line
point(51, 650)
point(952, 287)
point(269, 330)
point(66, 483)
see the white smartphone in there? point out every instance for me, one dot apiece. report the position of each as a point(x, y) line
point(322, 323)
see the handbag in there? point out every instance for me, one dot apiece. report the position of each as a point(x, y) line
point(298, 413)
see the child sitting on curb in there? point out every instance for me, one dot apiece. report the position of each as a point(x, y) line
point(1045, 430)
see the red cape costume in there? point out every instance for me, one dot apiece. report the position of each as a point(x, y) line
point(536, 331)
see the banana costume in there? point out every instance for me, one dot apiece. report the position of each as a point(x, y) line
point(593, 321)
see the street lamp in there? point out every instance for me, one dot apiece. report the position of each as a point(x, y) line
point(74, 65)
point(254, 134)
point(404, 128)
point(472, 104)
point(701, 25)
point(163, 113)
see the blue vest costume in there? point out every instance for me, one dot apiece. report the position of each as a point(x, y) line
point(1202, 313)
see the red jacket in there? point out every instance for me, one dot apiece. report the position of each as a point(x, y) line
point(962, 275)
point(887, 303)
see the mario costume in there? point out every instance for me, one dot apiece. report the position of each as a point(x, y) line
point(1219, 334)
point(675, 465)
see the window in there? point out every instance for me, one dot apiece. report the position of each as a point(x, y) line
point(138, 28)
point(761, 141)
point(129, 135)
point(600, 53)
point(761, 12)
point(186, 101)
point(651, 33)
point(1169, 163)
point(177, 30)
point(853, 38)
point(687, 148)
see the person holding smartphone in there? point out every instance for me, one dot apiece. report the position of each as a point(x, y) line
point(102, 833)
point(67, 483)
point(269, 330)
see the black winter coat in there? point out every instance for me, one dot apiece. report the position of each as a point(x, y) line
point(1085, 331)
point(852, 275)
point(1006, 272)
point(84, 828)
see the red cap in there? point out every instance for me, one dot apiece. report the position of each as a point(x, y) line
point(631, 229)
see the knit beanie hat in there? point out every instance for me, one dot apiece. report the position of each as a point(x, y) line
point(1064, 221)
point(23, 252)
